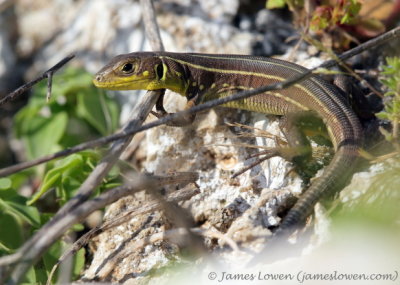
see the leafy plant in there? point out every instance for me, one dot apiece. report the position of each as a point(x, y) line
point(391, 79)
point(77, 112)
point(336, 23)
point(328, 16)
point(14, 214)
point(372, 200)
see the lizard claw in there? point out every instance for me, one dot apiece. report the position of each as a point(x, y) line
point(268, 154)
point(288, 153)
point(159, 114)
point(180, 121)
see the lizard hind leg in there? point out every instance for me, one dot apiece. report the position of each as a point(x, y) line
point(299, 147)
point(296, 128)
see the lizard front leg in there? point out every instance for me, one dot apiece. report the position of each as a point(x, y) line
point(183, 120)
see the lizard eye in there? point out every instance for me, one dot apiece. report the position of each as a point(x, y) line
point(127, 68)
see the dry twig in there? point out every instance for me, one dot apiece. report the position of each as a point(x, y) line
point(47, 74)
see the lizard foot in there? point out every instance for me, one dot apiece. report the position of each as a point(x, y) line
point(180, 121)
point(286, 152)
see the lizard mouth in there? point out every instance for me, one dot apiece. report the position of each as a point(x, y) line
point(100, 82)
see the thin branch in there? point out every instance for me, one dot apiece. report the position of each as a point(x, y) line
point(205, 106)
point(151, 26)
point(47, 74)
point(341, 63)
point(251, 165)
point(49, 85)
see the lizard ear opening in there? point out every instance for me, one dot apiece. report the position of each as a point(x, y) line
point(160, 71)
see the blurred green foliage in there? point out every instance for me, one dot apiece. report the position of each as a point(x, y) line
point(325, 14)
point(391, 79)
point(336, 24)
point(77, 112)
point(378, 203)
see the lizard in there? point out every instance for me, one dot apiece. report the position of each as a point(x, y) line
point(203, 77)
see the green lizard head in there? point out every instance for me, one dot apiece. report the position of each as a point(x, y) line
point(139, 70)
point(132, 71)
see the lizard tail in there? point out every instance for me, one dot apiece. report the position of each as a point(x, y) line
point(335, 176)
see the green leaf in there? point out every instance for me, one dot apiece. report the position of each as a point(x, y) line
point(20, 179)
point(275, 4)
point(17, 207)
point(383, 115)
point(71, 81)
point(351, 11)
point(48, 182)
point(40, 134)
point(5, 183)
point(52, 255)
point(101, 112)
point(4, 250)
point(46, 217)
point(8, 194)
point(23, 119)
point(79, 263)
point(67, 175)
point(10, 231)
point(53, 177)
point(78, 227)
point(30, 277)
point(390, 77)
